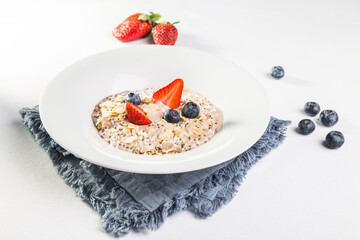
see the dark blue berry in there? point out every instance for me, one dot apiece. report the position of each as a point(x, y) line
point(277, 72)
point(171, 116)
point(328, 118)
point(306, 126)
point(191, 110)
point(133, 98)
point(334, 139)
point(312, 108)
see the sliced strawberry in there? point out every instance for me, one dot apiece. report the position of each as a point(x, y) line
point(170, 95)
point(136, 115)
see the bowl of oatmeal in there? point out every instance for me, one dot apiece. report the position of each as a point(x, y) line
point(89, 109)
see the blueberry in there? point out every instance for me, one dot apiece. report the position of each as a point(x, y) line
point(191, 110)
point(306, 126)
point(133, 98)
point(334, 139)
point(171, 116)
point(277, 72)
point(328, 118)
point(312, 108)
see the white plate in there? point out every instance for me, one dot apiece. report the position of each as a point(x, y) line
point(69, 99)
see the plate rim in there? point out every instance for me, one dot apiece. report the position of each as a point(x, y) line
point(131, 169)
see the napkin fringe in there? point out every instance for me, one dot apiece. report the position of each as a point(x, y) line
point(120, 213)
point(134, 216)
point(64, 162)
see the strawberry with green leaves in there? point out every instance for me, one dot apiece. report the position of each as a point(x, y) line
point(165, 33)
point(135, 26)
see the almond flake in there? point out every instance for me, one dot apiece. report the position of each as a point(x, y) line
point(119, 99)
point(105, 112)
point(178, 132)
point(196, 130)
point(119, 109)
point(151, 107)
point(168, 134)
point(166, 145)
point(170, 150)
point(146, 100)
point(107, 104)
point(128, 140)
point(184, 139)
point(126, 130)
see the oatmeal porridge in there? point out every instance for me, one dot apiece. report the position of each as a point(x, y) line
point(162, 133)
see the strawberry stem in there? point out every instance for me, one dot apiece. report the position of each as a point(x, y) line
point(150, 18)
point(165, 22)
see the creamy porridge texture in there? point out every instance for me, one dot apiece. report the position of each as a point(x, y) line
point(160, 136)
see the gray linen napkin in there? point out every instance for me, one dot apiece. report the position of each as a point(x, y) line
point(129, 201)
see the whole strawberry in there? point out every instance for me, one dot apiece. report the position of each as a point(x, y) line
point(165, 34)
point(135, 26)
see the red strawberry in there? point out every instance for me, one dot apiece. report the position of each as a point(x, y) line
point(136, 115)
point(135, 26)
point(165, 34)
point(170, 95)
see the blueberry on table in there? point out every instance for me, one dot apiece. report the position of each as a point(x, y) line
point(306, 126)
point(171, 116)
point(329, 118)
point(133, 98)
point(334, 139)
point(191, 110)
point(277, 72)
point(312, 108)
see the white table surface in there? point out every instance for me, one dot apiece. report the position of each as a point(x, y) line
point(302, 190)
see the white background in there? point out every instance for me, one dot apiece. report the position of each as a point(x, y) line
point(302, 190)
